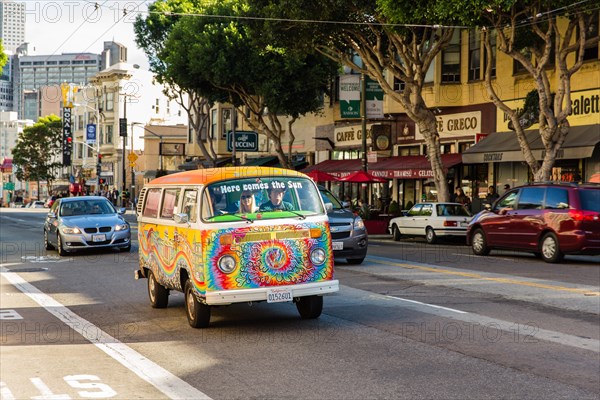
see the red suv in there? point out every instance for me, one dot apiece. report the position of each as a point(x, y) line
point(550, 220)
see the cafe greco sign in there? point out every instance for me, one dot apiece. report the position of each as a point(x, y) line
point(351, 135)
point(453, 125)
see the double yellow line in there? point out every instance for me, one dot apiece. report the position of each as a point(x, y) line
point(585, 292)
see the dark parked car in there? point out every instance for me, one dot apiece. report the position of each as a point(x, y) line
point(85, 222)
point(348, 233)
point(549, 220)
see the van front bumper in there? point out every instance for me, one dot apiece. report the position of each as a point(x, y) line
point(223, 297)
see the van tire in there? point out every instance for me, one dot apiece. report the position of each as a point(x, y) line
point(479, 243)
point(310, 307)
point(198, 314)
point(550, 249)
point(157, 293)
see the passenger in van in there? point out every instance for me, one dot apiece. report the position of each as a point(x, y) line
point(276, 202)
point(247, 203)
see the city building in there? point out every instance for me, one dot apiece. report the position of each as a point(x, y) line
point(12, 24)
point(10, 127)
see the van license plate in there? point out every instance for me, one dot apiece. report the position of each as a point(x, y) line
point(98, 238)
point(279, 295)
point(338, 245)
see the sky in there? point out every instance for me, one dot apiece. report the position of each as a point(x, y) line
point(77, 26)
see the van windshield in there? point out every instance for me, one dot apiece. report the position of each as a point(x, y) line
point(260, 198)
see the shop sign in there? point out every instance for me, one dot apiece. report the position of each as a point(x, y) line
point(585, 110)
point(453, 125)
point(374, 99)
point(351, 135)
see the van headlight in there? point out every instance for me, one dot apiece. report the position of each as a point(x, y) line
point(70, 231)
point(226, 264)
point(358, 223)
point(122, 227)
point(317, 256)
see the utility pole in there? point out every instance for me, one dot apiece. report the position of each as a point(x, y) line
point(233, 162)
point(123, 133)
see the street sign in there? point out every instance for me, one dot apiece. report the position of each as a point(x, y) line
point(90, 134)
point(132, 164)
point(244, 141)
point(132, 157)
point(67, 138)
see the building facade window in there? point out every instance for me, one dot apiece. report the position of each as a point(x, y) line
point(451, 59)
point(591, 51)
point(214, 123)
point(110, 101)
point(109, 134)
point(226, 122)
point(474, 54)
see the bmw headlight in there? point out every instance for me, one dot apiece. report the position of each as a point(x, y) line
point(122, 227)
point(70, 231)
point(358, 223)
point(317, 256)
point(226, 264)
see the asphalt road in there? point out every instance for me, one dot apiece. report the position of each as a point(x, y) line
point(413, 321)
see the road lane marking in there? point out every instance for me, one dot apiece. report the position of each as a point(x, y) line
point(427, 304)
point(585, 292)
point(163, 380)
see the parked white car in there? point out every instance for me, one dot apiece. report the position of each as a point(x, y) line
point(432, 220)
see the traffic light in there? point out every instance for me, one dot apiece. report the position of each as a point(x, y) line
point(99, 166)
point(123, 127)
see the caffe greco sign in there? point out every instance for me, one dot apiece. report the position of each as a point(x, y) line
point(452, 125)
point(351, 135)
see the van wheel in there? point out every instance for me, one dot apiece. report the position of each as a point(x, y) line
point(158, 294)
point(430, 235)
point(479, 243)
point(46, 242)
point(550, 250)
point(198, 314)
point(310, 307)
point(396, 233)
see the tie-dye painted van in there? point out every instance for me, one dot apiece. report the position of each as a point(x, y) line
point(232, 235)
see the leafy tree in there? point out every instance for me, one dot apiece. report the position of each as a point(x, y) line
point(3, 56)
point(151, 34)
point(38, 151)
point(530, 33)
point(392, 37)
point(221, 58)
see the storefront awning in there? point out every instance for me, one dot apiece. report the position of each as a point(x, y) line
point(504, 146)
point(397, 167)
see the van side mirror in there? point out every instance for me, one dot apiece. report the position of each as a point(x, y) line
point(181, 218)
point(346, 204)
point(328, 207)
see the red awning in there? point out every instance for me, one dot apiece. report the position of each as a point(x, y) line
point(398, 167)
point(6, 165)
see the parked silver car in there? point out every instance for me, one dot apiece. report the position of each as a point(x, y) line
point(86, 222)
point(348, 233)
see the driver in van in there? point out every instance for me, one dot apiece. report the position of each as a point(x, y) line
point(276, 202)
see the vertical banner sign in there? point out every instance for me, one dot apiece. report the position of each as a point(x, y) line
point(350, 96)
point(90, 134)
point(374, 97)
point(67, 142)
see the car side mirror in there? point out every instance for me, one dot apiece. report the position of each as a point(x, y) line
point(51, 214)
point(181, 218)
point(122, 210)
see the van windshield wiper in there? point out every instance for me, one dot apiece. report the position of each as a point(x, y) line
point(241, 217)
point(301, 216)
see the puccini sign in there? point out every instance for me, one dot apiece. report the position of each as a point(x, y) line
point(453, 125)
point(585, 110)
point(351, 135)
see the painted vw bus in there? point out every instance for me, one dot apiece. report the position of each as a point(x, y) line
point(233, 235)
